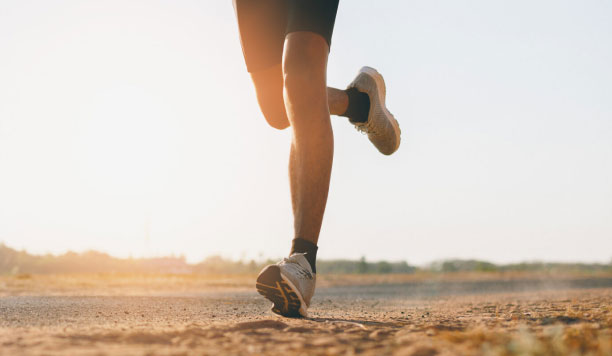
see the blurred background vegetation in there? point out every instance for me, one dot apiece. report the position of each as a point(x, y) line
point(14, 262)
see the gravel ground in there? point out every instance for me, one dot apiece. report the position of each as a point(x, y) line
point(520, 316)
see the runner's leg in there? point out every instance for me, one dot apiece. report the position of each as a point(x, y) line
point(304, 71)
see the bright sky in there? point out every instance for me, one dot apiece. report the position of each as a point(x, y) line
point(131, 127)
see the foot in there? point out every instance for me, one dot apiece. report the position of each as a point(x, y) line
point(382, 128)
point(288, 284)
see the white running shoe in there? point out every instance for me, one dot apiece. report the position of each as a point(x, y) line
point(289, 284)
point(382, 128)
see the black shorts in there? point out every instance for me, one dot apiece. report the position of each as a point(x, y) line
point(263, 25)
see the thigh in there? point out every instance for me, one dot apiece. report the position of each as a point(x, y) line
point(262, 25)
point(317, 16)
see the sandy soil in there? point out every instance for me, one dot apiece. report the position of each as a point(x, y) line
point(200, 315)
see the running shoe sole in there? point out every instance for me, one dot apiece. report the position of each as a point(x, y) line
point(280, 291)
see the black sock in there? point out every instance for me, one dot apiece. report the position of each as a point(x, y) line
point(358, 106)
point(307, 247)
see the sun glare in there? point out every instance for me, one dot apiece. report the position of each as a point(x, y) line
point(127, 142)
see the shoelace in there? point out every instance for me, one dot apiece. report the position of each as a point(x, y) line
point(292, 259)
point(301, 270)
point(366, 128)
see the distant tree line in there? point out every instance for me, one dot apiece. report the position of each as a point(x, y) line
point(362, 266)
point(484, 266)
point(21, 262)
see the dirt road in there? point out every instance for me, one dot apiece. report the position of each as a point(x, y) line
point(411, 317)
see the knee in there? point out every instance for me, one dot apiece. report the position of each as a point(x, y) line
point(304, 65)
point(305, 94)
point(273, 110)
point(301, 78)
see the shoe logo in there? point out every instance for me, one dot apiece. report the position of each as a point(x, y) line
point(304, 273)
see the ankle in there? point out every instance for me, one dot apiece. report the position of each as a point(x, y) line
point(299, 245)
point(358, 107)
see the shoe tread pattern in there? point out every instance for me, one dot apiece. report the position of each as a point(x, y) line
point(271, 285)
